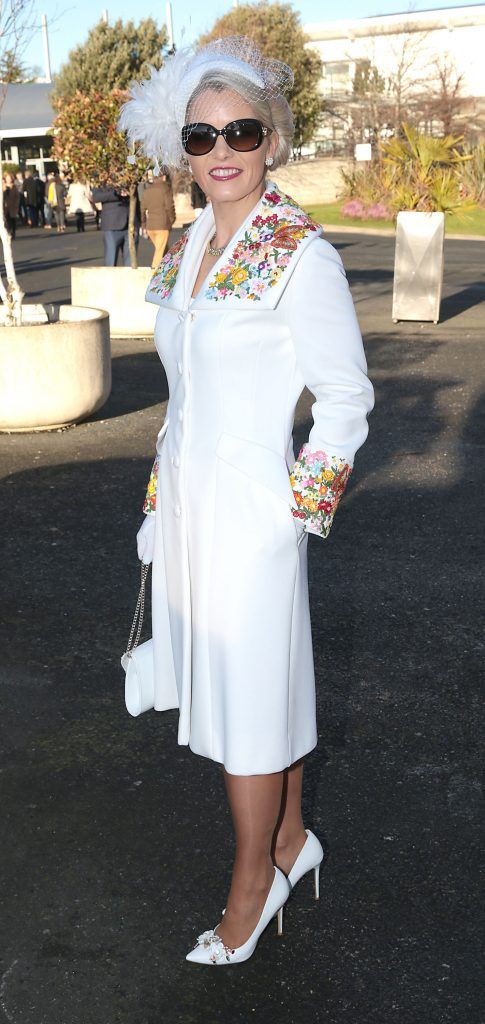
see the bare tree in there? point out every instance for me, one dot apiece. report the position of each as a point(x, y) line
point(16, 20)
point(446, 102)
point(407, 82)
point(383, 93)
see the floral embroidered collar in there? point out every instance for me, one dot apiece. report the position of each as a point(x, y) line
point(252, 271)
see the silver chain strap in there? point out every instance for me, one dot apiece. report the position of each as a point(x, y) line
point(139, 612)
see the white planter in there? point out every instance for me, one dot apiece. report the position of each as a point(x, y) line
point(52, 374)
point(418, 266)
point(120, 291)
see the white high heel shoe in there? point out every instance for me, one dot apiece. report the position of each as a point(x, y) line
point(210, 949)
point(309, 858)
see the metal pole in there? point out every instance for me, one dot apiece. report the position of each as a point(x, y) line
point(168, 9)
point(47, 59)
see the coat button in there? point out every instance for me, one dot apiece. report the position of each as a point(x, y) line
point(180, 367)
point(177, 511)
point(180, 415)
point(175, 461)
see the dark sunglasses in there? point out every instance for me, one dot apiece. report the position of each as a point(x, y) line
point(242, 135)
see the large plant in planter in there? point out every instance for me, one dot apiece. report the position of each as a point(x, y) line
point(87, 141)
point(423, 175)
point(413, 171)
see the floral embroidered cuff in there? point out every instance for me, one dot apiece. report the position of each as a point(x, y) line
point(318, 481)
point(150, 502)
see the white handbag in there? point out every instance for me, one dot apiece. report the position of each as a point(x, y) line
point(137, 660)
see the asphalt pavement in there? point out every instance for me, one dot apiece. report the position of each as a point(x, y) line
point(117, 843)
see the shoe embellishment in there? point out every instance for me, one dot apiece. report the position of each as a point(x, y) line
point(217, 950)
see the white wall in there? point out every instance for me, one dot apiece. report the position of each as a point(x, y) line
point(458, 32)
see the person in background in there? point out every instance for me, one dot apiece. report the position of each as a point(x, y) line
point(11, 204)
point(79, 202)
point(158, 214)
point(30, 197)
point(48, 211)
point(198, 198)
point(56, 196)
point(115, 206)
point(19, 185)
point(40, 195)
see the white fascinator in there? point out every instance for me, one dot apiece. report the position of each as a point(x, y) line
point(156, 111)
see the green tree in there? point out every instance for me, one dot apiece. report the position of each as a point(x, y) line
point(88, 143)
point(276, 29)
point(112, 57)
point(367, 79)
point(12, 69)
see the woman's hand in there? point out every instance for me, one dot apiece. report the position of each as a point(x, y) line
point(145, 540)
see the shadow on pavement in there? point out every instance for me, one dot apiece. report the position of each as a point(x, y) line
point(139, 382)
point(459, 302)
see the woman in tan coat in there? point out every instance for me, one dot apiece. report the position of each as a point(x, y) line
point(158, 214)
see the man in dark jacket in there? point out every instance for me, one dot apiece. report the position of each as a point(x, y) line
point(114, 223)
point(30, 197)
point(40, 197)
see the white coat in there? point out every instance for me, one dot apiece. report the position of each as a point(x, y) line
point(231, 623)
point(78, 198)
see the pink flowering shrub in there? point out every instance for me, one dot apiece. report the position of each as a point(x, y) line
point(378, 211)
point(357, 210)
point(353, 208)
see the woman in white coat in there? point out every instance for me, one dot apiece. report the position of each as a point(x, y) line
point(79, 202)
point(254, 305)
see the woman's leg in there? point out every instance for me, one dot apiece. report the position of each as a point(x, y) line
point(255, 802)
point(290, 834)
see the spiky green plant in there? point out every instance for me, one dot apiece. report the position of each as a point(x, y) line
point(473, 174)
point(423, 172)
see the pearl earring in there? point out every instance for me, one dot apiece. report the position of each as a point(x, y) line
point(268, 161)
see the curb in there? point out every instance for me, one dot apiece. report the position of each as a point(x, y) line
point(389, 232)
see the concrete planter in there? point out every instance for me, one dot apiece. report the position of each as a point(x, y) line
point(121, 291)
point(52, 374)
point(418, 266)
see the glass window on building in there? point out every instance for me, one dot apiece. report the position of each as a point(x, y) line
point(336, 78)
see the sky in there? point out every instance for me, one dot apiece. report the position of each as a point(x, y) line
point(69, 20)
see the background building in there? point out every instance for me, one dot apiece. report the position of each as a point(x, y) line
point(26, 116)
point(426, 67)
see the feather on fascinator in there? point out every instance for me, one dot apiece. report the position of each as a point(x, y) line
point(156, 111)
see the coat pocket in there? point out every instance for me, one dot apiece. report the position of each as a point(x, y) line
point(259, 463)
